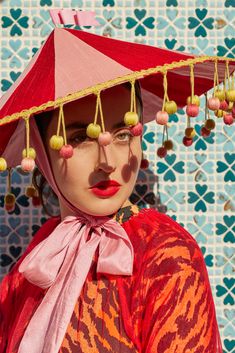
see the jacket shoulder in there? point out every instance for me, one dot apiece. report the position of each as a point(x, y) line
point(167, 244)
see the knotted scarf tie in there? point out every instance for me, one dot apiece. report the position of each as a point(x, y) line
point(61, 263)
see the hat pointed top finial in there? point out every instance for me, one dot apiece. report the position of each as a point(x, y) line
point(73, 17)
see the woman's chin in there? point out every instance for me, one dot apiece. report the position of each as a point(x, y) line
point(102, 206)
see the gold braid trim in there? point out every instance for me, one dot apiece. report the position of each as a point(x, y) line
point(99, 87)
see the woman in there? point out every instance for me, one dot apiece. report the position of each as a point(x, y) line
point(104, 276)
point(166, 305)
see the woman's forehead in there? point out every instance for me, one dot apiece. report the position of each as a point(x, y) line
point(115, 103)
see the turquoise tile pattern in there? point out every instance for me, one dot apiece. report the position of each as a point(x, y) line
point(194, 185)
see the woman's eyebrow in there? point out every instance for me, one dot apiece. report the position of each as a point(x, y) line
point(77, 125)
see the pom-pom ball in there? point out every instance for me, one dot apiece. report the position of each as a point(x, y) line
point(219, 113)
point(195, 100)
point(205, 132)
point(230, 106)
point(213, 103)
point(27, 164)
point(220, 94)
point(9, 199)
point(137, 130)
point(228, 119)
point(168, 144)
point(3, 164)
point(209, 124)
point(131, 118)
point(105, 138)
point(9, 202)
point(187, 141)
point(170, 107)
point(192, 110)
point(66, 151)
point(144, 163)
point(223, 105)
point(162, 152)
point(230, 95)
point(9, 208)
point(56, 142)
point(233, 110)
point(190, 132)
point(30, 191)
point(36, 201)
point(93, 130)
point(32, 153)
point(162, 118)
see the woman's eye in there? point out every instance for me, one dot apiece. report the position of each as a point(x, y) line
point(79, 138)
point(124, 136)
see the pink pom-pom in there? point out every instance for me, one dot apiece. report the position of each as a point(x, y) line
point(205, 132)
point(105, 138)
point(10, 208)
point(66, 151)
point(228, 119)
point(27, 164)
point(137, 129)
point(213, 103)
point(223, 105)
point(187, 141)
point(192, 110)
point(162, 118)
point(161, 152)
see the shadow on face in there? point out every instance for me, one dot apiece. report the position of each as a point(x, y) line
point(92, 163)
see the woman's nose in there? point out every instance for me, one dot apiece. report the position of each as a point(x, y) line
point(106, 159)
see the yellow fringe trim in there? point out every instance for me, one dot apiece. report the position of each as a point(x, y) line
point(108, 84)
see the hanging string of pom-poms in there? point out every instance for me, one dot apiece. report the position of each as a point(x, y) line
point(131, 119)
point(9, 198)
point(162, 117)
point(209, 124)
point(58, 142)
point(192, 111)
point(94, 130)
point(222, 100)
point(29, 153)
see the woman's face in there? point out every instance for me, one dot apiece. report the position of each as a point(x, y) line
point(91, 163)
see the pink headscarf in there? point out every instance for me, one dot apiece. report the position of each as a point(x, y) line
point(62, 261)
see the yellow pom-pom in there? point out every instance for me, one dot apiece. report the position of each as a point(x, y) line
point(219, 113)
point(131, 118)
point(220, 94)
point(170, 107)
point(9, 199)
point(230, 106)
point(32, 153)
point(93, 130)
point(56, 142)
point(195, 100)
point(230, 95)
point(3, 164)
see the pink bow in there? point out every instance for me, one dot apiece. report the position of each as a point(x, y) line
point(62, 262)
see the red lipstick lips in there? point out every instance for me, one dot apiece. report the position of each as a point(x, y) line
point(105, 188)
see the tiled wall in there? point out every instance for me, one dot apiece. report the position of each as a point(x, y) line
point(194, 185)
